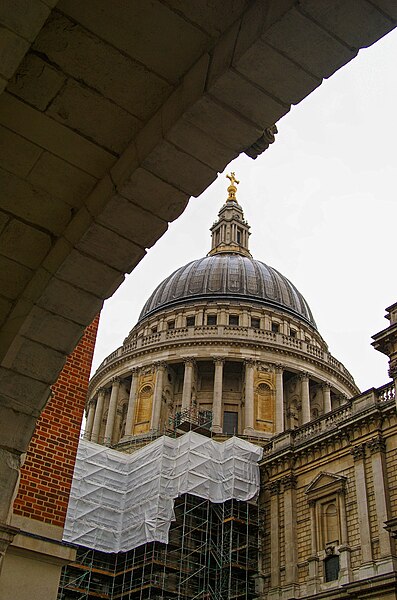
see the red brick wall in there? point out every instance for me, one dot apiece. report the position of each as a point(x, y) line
point(47, 474)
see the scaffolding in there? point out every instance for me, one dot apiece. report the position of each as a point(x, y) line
point(212, 554)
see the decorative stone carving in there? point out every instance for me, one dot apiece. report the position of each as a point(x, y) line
point(377, 444)
point(274, 487)
point(289, 482)
point(358, 452)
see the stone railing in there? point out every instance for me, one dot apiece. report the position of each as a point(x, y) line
point(363, 402)
point(229, 332)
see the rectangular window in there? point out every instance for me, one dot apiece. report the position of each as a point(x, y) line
point(255, 322)
point(170, 324)
point(292, 333)
point(211, 319)
point(234, 320)
point(275, 327)
point(154, 329)
point(190, 321)
point(230, 423)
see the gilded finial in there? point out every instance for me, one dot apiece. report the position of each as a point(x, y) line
point(232, 189)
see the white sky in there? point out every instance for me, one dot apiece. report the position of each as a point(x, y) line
point(322, 207)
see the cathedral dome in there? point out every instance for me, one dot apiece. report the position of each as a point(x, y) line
point(228, 276)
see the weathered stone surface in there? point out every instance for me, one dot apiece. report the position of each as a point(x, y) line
point(132, 222)
point(387, 6)
point(179, 169)
point(54, 137)
point(51, 330)
point(218, 122)
point(36, 82)
point(111, 248)
point(24, 244)
point(25, 17)
point(135, 26)
point(28, 396)
point(197, 143)
point(212, 17)
point(13, 278)
point(357, 23)
point(263, 65)
point(308, 44)
point(247, 99)
point(23, 156)
point(70, 302)
point(3, 221)
point(90, 275)
point(34, 360)
point(33, 205)
point(94, 116)
point(10, 464)
point(12, 50)
point(154, 194)
point(77, 52)
point(5, 308)
point(61, 179)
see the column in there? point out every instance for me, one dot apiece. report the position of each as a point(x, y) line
point(157, 395)
point(98, 415)
point(345, 574)
point(131, 403)
point(112, 411)
point(313, 560)
point(274, 488)
point(90, 420)
point(249, 396)
point(305, 398)
point(326, 397)
point(358, 453)
point(187, 383)
point(217, 396)
point(291, 572)
point(279, 399)
point(377, 447)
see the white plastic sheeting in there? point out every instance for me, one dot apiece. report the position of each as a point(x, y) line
point(120, 501)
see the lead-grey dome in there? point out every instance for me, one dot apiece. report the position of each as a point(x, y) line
point(228, 276)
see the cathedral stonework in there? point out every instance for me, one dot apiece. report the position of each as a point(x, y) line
point(227, 346)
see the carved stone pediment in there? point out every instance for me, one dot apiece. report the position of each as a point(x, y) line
point(325, 484)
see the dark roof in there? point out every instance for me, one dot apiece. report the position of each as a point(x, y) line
point(228, 276)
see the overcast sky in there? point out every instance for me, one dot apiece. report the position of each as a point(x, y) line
point(321, 202)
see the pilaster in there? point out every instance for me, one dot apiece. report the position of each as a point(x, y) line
point(217, 395)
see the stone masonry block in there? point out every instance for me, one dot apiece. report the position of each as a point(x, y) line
point(145, 31)
point(54, 137)
point(24, 244)
point(51, 330)
point(61, 179)
point(223, 124)
point(21, 394)
point(12, 50)
point(17, 154)
point(389, 7)
point(5, 309)
point(36, 81)
point(197, 143)
point(33, 205)
point(263, 65)
point(13, 278)
point(113, 74)
point(129, 220)
point(90, 275)
point(110, 248)
point(248, 100)
point(3, 221)
point(70, 302)
point(154, 195)
point(10, 463)
point(223, 53)
point(308, 44)
point(25, 17)
point(359, 24)
point(94, 116)
point(179, 169)
point(213, 17)
point(34, 360)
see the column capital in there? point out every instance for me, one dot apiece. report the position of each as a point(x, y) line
point(289, 482)
point(274, 487)
point(116, 380)
point(377, 444)
point(278, 368)
point(189, 360)
point(102, 390)
point(326, 385)
point(134, 371)
point(160, 364)
point(218, 359)
point(303, 375)
point(358, 452)
point(312, 503)
point(249, 362)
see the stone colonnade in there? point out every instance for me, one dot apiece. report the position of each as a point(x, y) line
point(110, 396)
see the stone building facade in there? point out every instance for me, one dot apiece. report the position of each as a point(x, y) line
point(229, 346)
